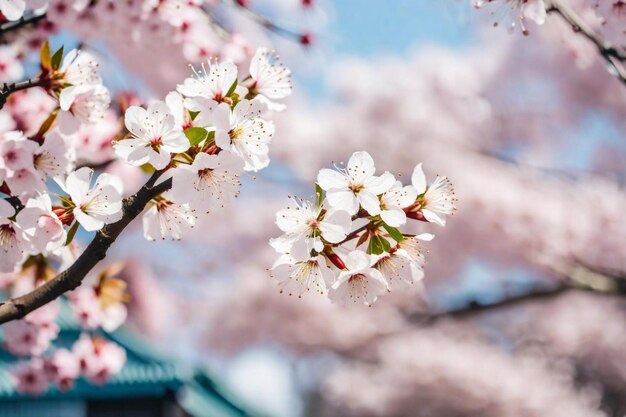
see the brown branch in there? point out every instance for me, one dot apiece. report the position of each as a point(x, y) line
point(614, 57)
point(72, 277)
point(31, 19)
point(8, 89)
point(573, 277)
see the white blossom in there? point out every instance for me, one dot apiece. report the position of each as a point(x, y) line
point(212, 81)
point(360, 283)
point(394, 201)
point(243, 132)
point(40, 226)
point(356, 184)
point(209, 182)
point(155, 136)
point(437, 199)
point(98, 205)
point(165, 219)
point(270, 78)
point(303, 221)
point(82, 104)
point(11, 245)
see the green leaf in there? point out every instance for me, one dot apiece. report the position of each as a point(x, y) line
point(56, 58)
point(193, 114)
point(232, 88)
point(71, 233)
point(44, 56)
point(378, 245)
point(196, 135)
point(394, 233)
point(319, 196)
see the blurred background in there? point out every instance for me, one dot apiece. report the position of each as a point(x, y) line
point(522, 308)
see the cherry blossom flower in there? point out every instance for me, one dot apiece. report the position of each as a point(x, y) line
point(11, 244)
point(29, 377)
point(99, 359)
point(11, 68)
point(54, 157)
point(40, 226)
point(394, 201)
point(62, 368)
point(165, 219)
point(519, 10)
point(270, 78)
point(435, 200)
point(243, 132)
point(94, 207)
point(297, 276)
point(401, 268)
point(209, 182)
point(91, 312)
point(85, 104)
point(303, 221)
point(213, 82)
point(154, 136)
point(78, 68)
point(356, 184)
point(360, 283)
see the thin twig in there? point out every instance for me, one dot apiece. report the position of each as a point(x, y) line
point(614, 57)
point(72, 277)
point(8, 89)
point(31, 19)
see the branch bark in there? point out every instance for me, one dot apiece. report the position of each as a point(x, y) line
point(31, 19)
point(614, 57)
point(72, 277)
point(8, 89)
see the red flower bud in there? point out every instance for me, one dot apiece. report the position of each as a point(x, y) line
point(336, 260)
point(306, 39)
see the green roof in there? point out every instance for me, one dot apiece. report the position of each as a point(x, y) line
point(145, 374)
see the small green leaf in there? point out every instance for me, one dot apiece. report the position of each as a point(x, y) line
point(196, 135)
point(44, 56)
point(394, 233)
point(232, 88)
point(56, 58)
point(385, 244)
point(193, 114)
point(375, 246)
point(71, 233)
point(378, 245)
point(319, 196)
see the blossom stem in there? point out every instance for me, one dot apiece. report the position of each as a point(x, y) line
point(614, 57)
point(72, 277)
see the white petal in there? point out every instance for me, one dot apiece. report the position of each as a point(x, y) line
point(393, 217)
point(357, 260)
point(369, 202)
point(418, 179)
point(343, 200)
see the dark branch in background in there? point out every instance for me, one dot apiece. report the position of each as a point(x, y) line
point(573, 277)
point(614, 57)
point(8, 89)
point(26, 20)
point(72, 277)
point(303, 38)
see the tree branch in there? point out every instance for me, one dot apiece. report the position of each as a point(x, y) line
point(8, 89)
point(614, 57)
point(32, 19)
point(575, 276)
point(72, 277)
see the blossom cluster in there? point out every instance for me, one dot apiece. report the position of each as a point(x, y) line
point(348, 242)
point(198, 141)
